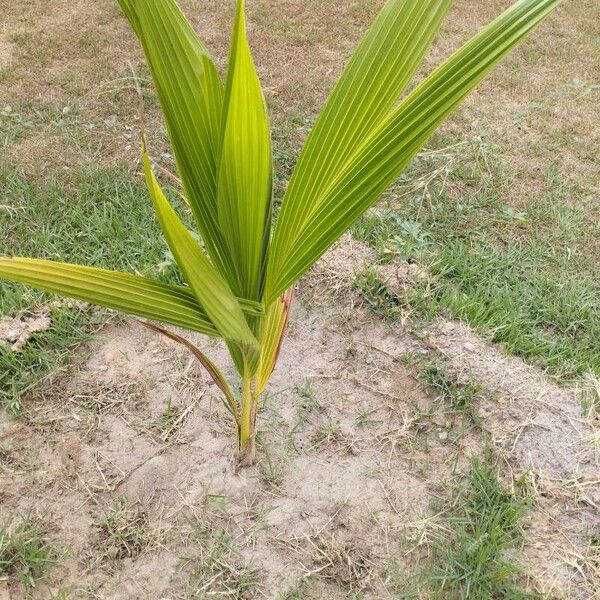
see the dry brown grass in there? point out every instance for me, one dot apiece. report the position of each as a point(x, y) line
point(81, 54)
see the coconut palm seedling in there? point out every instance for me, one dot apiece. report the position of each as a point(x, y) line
point(239, 276)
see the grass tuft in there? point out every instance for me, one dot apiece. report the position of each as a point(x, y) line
point(376, 294)
point(460, 397)
point(124, 533)
point(478, 555)
point(217, 569)
point(25, 552)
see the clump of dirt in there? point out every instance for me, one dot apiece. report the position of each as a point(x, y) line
point(16, 332)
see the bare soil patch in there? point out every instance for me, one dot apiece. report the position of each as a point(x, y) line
point(129, 461)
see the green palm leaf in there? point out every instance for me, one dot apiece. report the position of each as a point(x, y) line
point(209, 287)
point(383, 155)
point(379, 71)
point(245, 172)
point(131, 294)
point(191, 96)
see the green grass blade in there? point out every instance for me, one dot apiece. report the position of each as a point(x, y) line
point(191, 96)
point(383, 155)
point(131, 294)
point(245, 172)
point(209, 287)
point(379, 71)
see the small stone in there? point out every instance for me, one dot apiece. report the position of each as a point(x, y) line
point(484, 412)
point(16, 332)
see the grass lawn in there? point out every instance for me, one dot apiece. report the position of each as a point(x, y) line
point(525, 277)
point(102, 218)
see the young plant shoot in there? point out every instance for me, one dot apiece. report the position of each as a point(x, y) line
point(240, 277)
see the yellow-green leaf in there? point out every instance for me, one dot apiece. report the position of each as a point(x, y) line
point(131, 294)
point(379, 71)
point(271, 334)
point(208, 286)
point(245, 170)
